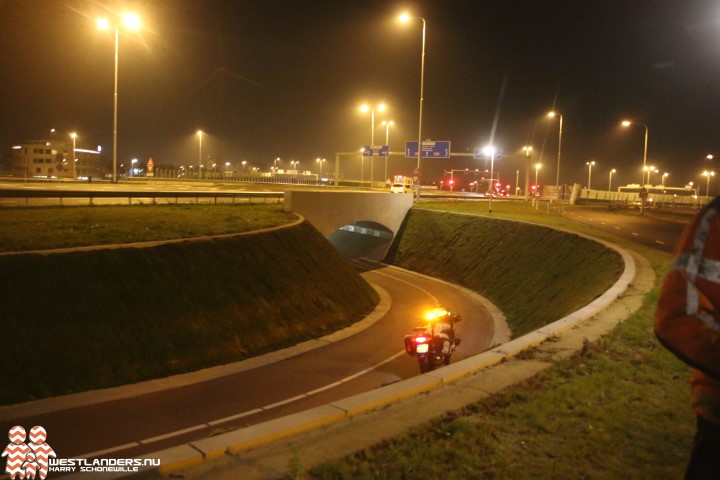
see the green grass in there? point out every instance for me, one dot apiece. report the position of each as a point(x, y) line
point(58, 227)
point(619, 409)
point(100, 318)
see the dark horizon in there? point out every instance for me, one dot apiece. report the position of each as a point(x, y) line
point(285, 79)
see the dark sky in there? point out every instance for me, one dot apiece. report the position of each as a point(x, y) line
point(271, 78)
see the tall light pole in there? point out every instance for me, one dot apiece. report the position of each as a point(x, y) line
point(627, 123)
point(275, 162)
point(200, 135)
point(538, 166)
point(557, 175)
point(528, 153)
point(664, 176)
point(708, 174)
point(387, 141)
point(590, 165)
point(490, 151)
point(132, 22)
point(73, 135)
point(367, 108)
point(405, 18)
point(320, 161)
point(610, 181)
point(650, 169)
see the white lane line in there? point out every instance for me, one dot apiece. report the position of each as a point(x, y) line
point(659, 242)
point(618, 228)
point(173, 434)
point(408, 283)
point(635, 234)
point(244, 414)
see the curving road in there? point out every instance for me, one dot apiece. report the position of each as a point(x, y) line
point(127, 428)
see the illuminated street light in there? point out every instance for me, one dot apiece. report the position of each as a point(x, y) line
point(366, 108)
point(387, 141)
point(200, 135)
point(627, 123)
point(132, 166)
point(590, 165)
point(320, 161)
point(610, 181)
point(405, 18)
point(73, 135)
point(708, 174)
point(557, 175)
point(490, 152)
point(528, 153)
point(275, 162)
point(538, 166)
point(650, 169)
point(664, 176)
point(131, 22)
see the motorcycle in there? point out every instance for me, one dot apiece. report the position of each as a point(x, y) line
point(434, 343)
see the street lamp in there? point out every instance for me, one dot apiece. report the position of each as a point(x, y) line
point(528, 153)
point(557, 177)
point(610, 181)
point(627, 123)
point(200, 135)
point(132, 166)
point(366, 108)
point(131, 22)
point(708, 174)
point(664, 176)
point(490, 152)
point(590, 165)
point(650, 169)
point(405, 18)
point(73, 135)
point(387, 140)
point(275, 162)
point(538, 166)
point(320, 161)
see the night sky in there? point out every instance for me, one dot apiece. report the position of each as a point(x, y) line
point(267, 79)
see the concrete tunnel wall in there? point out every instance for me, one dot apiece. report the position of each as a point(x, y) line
point(330, 210)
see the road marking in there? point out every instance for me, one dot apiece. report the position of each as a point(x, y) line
point(658, 241)
point(618, 228)
point(636, 234)
point(243, 414)
point(408, 283)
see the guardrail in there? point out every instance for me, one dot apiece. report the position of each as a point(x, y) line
point(250, 197)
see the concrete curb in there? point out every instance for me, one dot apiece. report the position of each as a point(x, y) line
point(194, 453)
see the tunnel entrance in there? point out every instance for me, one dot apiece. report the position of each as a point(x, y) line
point(362, 239)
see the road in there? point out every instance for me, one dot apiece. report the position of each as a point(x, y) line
point(654, 229)
point(134, 426)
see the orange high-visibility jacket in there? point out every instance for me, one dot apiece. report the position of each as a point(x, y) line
point(686, 320)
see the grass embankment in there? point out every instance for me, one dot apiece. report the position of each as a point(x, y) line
point(619, 409)
point(534, 275)
point(82, 320)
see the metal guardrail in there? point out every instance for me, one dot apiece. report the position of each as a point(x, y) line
point(260, 197)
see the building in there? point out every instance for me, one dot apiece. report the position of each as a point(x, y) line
point(52, 159)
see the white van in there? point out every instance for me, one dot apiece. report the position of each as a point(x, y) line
point(402, 184)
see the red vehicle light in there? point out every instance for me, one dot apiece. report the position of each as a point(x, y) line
point(420, 339)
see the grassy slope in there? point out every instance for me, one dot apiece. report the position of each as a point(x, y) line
point(107, 317)
point(617, 410)
point(533, 274)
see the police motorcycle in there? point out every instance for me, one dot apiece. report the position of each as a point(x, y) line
point(433, 343)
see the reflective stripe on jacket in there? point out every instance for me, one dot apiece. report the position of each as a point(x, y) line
point(686, 319)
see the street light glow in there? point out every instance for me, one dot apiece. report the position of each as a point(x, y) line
point(625, 123)
point(131, 21)
point(103, 24)
point(404, 18)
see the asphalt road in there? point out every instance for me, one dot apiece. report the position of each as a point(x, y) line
point(659, 230)
point(131, 427)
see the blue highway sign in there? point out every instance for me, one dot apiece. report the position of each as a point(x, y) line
point(376, 151)
point(429, 150)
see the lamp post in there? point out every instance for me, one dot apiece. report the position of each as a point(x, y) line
point(610, 181)
point(73, 135)
point(538, 166)
point(366, 108)
point(387, 141)
point(708, 174)
point(275, 162)
point(528, 153)
point(557, 175)
point(200, 135)
point(627, 123)
point(490, 151)
point(132, 22)
point(132, 166)
point(664, 176)
point(405, 18)
point(590, 165)
point(650, 169)
point(320, 161)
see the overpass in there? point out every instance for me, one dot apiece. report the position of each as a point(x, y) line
point(360, 224)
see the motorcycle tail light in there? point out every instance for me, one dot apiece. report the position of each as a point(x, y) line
point(420, 339)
